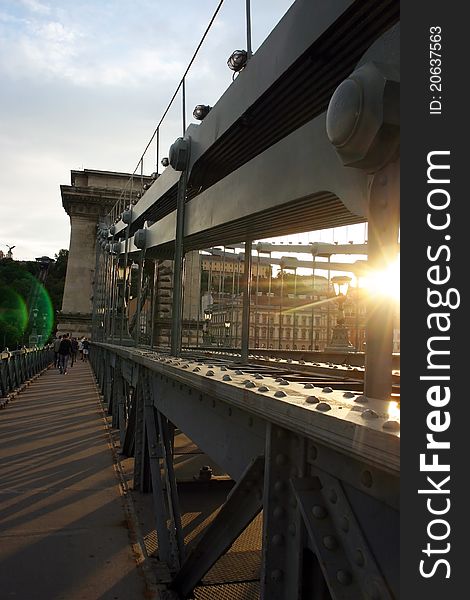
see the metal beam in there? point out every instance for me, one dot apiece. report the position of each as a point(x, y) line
point(242, 505)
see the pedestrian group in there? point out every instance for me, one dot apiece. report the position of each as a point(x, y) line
point(66, 349)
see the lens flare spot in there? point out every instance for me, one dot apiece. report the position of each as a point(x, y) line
point(13, 315)
point(385, 282)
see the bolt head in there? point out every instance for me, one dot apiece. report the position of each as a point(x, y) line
point(277, 540)
point(319, 512)
point(330, 542)
point(277, 575)
point(179, 154)
point(363, 117)
point(344, 577)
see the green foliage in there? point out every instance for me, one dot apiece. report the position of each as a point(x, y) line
point(19, 289)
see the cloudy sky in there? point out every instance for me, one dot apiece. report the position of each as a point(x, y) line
point(83, 85)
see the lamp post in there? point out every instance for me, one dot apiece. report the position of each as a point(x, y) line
point(340, 340)
point(206, 333)
point(227, 326)
point(33, 338)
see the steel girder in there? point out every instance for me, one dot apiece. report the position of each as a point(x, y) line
point(330, 489)
point(271, 120)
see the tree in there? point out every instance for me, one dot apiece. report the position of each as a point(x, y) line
point(20, 290)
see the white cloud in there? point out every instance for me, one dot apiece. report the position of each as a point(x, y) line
point(35, 6)
point(83, 85)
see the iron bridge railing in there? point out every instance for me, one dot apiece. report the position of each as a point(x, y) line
point(19, 366)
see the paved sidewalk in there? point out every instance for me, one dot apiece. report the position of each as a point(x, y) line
point(63, 529)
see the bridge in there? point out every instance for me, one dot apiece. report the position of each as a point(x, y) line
point(300, 444)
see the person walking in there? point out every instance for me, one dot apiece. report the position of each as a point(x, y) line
point(56, 350)
point(74, 343)
point(80, 348)
point(65, 350)
point(86, 349)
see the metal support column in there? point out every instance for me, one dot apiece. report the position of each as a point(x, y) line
point(382, 250)
point(178, 272)
point(124, 289)
point(140, 300)
point(283, 529)
point(246, 301)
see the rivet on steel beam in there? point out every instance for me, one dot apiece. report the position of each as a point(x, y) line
point(283, 382)
point(258, 376)
point(344, 577)
point(196, 369)
point(281, 459)
point(279, 512)
point(223, 368)
point(280, 486)
point(369, 414)
point(280, 394)
point(333, 496)
point(312, 400)
point(308, 386)
point(323, 406)
point(226, 378)
point(391, 426)
point(359, 558)
point(250, 384)
point(319, 512)
point(238, 372)
point(277, 540)
point(313, 452)
point(327, 390)
point(348, 395)
point(263, 388)
point(361, 399)
point(205, 473)
point(330, 542)
point(366, 479)
point(210, 373)
point(277, 575)
point(374, 592)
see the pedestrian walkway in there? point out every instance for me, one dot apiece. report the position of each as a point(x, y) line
point(63, 527)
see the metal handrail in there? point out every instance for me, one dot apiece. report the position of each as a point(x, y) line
point(19, 366)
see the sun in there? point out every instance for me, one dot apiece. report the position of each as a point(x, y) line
point(385, 282)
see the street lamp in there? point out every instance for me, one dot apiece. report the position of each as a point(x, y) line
point(207, 320)
point(227, 325)
point(340, 340)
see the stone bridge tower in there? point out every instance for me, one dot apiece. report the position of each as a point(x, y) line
point(90, 196)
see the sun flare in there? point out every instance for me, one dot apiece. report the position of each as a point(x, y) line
point(385, 282)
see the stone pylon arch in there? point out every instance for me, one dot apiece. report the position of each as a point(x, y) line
point(88, 199)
